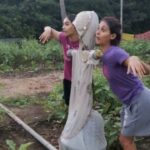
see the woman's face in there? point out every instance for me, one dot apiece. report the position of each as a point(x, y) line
point(103, 34)
point(68, 27)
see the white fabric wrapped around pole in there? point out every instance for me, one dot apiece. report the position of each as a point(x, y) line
point(84, 129)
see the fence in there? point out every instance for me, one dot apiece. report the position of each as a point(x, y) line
point(142, 36)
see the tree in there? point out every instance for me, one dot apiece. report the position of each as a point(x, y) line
point(26, 18)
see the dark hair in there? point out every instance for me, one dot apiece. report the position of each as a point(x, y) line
point(71, 17)
point(115, 27)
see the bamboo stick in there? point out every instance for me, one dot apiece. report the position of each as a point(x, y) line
point(28, 129)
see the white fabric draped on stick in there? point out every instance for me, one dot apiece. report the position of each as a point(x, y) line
point(84, 129)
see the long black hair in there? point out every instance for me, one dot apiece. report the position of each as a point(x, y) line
point(115, 28)
point(71, 17)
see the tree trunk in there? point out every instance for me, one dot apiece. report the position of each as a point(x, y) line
point(62, 9)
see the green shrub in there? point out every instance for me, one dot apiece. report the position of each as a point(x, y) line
point(108, 105)
point(12, 145)
point(139, 48)
point(30, 55)
point(56, 103)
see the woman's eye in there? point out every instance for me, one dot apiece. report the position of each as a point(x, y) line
point(102, 30)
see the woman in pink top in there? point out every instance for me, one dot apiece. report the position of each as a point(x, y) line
point(69, 40)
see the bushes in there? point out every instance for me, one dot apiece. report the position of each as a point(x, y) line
point(108, 105)
point(29, 55)
point(56, 104)
point(139, 48)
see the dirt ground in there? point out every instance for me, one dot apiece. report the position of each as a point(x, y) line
point(34, 115)
point(49, 131)
point(26, 86)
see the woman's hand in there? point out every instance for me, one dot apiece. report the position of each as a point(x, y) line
point(135, 66)
point(146, 67)
point(46, 35)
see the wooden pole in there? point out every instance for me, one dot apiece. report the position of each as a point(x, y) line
point(121, 14)
point(28, 129)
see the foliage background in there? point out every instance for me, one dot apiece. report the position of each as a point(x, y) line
point(26, 18)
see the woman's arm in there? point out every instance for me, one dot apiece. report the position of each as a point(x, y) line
point(136, 66)
point(49, 33)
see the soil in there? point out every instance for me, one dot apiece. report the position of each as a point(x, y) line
point(33, 115)
point(26, 86)
point(48, 130)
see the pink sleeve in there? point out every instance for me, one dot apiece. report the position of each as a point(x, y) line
point(62, 37)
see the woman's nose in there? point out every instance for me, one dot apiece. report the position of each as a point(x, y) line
point(97, 32)
point(62, 27)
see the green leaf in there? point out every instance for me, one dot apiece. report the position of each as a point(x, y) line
point(25, 146)
point(11, 144)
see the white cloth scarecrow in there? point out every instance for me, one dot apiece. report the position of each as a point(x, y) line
point(84, 129)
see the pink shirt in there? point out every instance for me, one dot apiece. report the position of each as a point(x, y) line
point(67, 44)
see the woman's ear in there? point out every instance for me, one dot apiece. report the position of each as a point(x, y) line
point(113, 36)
